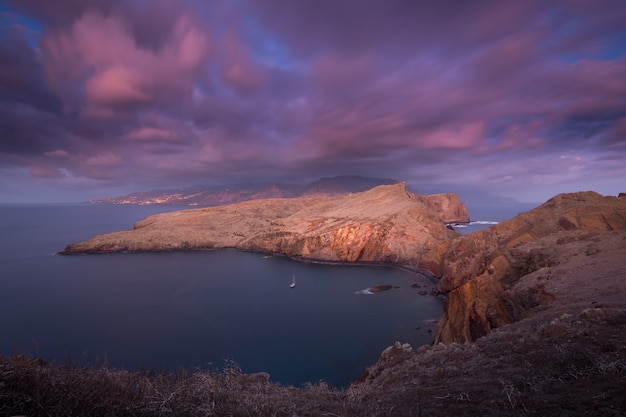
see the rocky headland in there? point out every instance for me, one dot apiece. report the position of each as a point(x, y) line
point(534, 322)
point(535, 316)
point(481, 272)
point(386, 224)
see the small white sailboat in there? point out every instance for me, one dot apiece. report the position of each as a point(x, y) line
point(293, 282)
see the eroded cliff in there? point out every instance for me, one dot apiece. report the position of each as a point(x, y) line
point(386, 224)
point(479, 271)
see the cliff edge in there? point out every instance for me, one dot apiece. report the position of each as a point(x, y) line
point(534, 322)
point(480, 272)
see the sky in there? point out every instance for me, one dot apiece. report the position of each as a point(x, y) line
point(523, 99)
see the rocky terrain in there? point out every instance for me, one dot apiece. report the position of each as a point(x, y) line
point(534, 321)
point(560, 349)
point(386, 224)
point(480, 272)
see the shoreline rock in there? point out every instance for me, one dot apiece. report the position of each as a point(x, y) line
point(379, 288)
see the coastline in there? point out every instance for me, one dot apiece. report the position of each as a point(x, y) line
point(385, 225)
point(561, 352)
point(420, 272)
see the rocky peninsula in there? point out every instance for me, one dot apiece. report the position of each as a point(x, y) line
point(386, 224)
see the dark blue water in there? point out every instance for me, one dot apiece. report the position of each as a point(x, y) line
point(194, 309)
point(483, 215)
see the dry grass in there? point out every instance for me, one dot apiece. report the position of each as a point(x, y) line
point(30, 386)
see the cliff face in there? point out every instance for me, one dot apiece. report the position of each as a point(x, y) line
point(479, 271)
point(386, 224)
point(449, 207)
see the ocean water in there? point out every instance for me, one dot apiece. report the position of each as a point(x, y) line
point(196, 310)
point(483, 215)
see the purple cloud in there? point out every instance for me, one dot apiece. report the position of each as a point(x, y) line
point(523, 99)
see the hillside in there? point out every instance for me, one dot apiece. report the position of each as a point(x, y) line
point(386, 224)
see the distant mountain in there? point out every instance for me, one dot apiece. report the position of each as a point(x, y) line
point(218, 195)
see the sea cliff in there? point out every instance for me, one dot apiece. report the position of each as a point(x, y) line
point(480, 271)
point(386, 224)
point(534, 322)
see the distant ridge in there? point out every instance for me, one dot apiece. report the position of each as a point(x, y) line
point(199, 196)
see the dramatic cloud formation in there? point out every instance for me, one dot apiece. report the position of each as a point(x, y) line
point(518, 98)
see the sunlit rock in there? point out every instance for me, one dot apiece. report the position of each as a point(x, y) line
point(386, 224)
point(480, 269)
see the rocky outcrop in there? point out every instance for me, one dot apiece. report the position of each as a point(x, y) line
point(449, 207)
point(386, 224)
point(479, 270)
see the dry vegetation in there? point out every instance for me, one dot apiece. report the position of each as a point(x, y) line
point(30, 386)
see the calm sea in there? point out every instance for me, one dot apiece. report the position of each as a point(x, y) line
point(483, 215)
point(167, 311)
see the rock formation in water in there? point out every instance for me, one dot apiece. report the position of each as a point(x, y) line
point(480, 271)
point(449, 207)
point(386, 224)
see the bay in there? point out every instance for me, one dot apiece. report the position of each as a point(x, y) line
point(167, 311)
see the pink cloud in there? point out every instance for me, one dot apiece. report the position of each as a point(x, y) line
point(116, 86)
point(151, 134)
point(619, 129)
point(238, 70)
point(45, 171)
point(498, 19)
point(333, 70)
point(100, 53)
point(466, 137)
point(57, 153)
point(104, 159)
